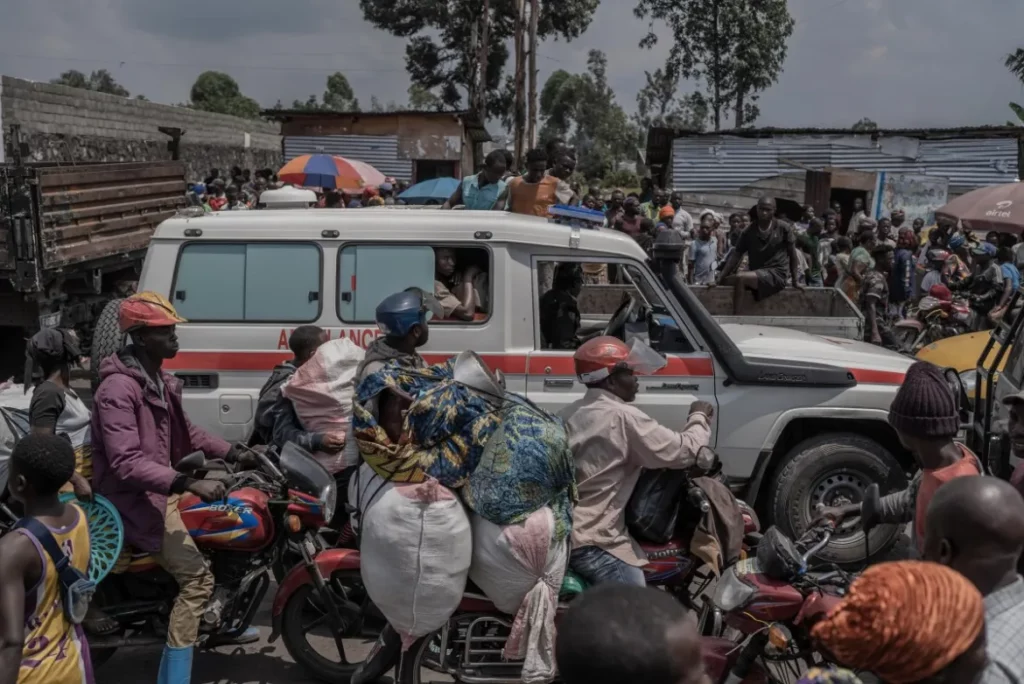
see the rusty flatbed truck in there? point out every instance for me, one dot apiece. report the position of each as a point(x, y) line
point(71, 238)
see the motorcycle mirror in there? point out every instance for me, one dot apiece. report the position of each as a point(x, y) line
point(192, 462)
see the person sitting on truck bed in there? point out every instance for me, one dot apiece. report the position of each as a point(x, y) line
point(460, 293)
point(770, 245)
point(612, 442)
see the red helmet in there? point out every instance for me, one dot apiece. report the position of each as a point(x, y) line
point(940, 292)
point(598, 358)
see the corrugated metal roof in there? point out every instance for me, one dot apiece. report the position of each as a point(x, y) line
point(379, 151)
point(725, 163)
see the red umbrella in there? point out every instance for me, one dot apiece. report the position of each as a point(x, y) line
point(997, 208)
point(330, 172)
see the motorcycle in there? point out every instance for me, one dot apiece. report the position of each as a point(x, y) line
point(934, 319)
point(266, 513)
point(774, 599)
point(478, 623)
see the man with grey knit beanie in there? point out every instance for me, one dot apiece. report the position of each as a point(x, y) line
point(925, 418)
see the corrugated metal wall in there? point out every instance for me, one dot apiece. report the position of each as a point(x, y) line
point(727, 162)
point(379, 151)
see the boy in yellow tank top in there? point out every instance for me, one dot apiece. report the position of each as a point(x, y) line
point(38, 644)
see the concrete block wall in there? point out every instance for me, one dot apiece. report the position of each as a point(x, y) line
point(73, 125)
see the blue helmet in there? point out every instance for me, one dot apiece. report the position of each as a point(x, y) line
point(397, 314)
point(957, 241)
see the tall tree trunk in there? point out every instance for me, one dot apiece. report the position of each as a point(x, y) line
point(531, 134)
point(740, 95)
point(520, 100)
point(485, 51)
point(716, 71)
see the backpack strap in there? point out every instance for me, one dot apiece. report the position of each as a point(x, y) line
point(45, 538)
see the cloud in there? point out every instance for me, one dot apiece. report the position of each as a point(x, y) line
point(906, 63)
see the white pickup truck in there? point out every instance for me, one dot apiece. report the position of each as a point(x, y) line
point(800, 419)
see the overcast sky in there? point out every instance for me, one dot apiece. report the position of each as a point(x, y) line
point(903, 63)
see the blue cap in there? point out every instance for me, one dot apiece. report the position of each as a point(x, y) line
point(397, 314)
point(985, 248)
point(199, 188)
point(957, 241)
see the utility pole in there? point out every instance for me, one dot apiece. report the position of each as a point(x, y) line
point(531, 135)
point(520, 79)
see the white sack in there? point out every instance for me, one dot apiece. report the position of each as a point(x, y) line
point(521, 568)
point(415, 548)
point(322, 391)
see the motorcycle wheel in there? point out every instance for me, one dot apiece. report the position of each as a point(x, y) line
point(422, 660)
point(304, 620)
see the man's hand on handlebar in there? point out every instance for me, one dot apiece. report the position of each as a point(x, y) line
point(207, 490)
point(837, 513)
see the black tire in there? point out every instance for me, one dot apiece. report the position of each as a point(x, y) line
point(293, 633)
point(410, 666)
point(107, 338)
point(838, 461)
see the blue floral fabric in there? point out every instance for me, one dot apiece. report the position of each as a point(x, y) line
point(526, 465)
point(444, 432)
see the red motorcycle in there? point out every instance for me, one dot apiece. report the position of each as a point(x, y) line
point(936, 317)
point(479, 623)
point(774, 599)
point(267, 513)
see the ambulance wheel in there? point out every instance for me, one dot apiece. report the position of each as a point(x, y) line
point(835, 470)
point(107, 338)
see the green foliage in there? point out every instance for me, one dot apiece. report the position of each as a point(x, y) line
point(865, 124)
point(421, 99)
point(734, 48)
point(100, 81)
point(581, 108)
point(621, 179)
point(339, 96)
point(659, 104)
point(441, 57)
point(1019, 111)
point(215, 91)
point(1015, 63)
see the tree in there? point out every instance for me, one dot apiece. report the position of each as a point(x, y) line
point(735, 48)
point(1015, 63)
point(339, 96)
point(444, 51)
point(100, 81)
point(310, 105)
point(215, 91)
point(659, 104)
point(421, 99)
point(581, 108)
point(864, 125)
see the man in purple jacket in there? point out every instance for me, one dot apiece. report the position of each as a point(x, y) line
point(140, 431)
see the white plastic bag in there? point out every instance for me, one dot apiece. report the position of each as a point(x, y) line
point(521, 568)
point(415, 549)
point(322, 390)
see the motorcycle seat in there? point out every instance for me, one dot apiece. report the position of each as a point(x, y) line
point(132, 560)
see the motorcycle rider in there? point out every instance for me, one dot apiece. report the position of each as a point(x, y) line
point(612, 441)
point(402, 317)
point(140, 431)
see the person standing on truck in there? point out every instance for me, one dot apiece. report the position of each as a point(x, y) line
point(534, 192)
point(38, 643)
point(55, 408)
point(810, 243)
point(611, 442)
point(770, 245)
point(480, 191)
point(874, 299)
point(703, 251)
point(903, 278)
point(926, 419)
point(140, 431)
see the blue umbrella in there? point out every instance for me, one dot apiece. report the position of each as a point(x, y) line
point(436, 189)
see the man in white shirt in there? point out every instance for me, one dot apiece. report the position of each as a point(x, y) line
point(611, 442)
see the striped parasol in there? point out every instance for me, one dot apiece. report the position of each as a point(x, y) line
point(330, 172)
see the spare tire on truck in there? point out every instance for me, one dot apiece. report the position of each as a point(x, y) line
point(834, 470)
point(107, 338)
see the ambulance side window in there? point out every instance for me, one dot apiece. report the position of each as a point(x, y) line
point(266, 281)
point(368, 273)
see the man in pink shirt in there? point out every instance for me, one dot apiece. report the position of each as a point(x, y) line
point(611, 442)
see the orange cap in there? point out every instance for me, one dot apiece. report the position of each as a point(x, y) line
point(147, 310)
point(667, 212)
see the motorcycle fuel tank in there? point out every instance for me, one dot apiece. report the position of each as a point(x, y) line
point(241, 522)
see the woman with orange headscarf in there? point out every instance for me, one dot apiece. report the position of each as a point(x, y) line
point(908, 622)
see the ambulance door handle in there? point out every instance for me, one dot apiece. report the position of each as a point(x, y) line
point(558, 383)
point(346, 296)
point(314, 296)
